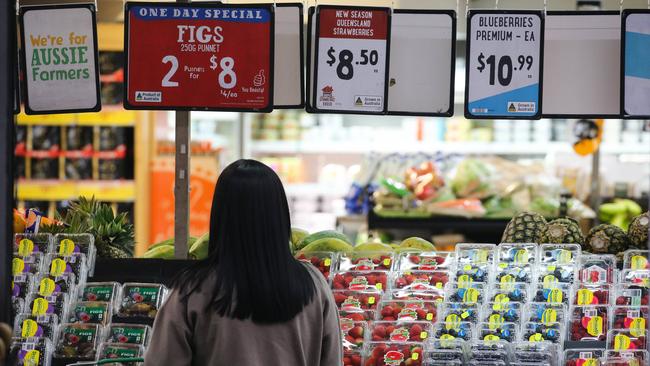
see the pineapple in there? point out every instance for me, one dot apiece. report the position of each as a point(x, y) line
point(606, 238)
point(562, 231)
point(638, 231)
point(114, 234)
point(525, 227)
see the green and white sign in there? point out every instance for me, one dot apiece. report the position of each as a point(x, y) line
point(59, 57)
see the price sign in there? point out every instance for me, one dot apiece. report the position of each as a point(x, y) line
point(199, 56)
point(581, 49)
point(636, 68)
point(422, 63)
point(504, 53)
point(59, 59)
point(351, 59)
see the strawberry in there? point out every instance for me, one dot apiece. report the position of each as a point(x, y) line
point(356, 332)
point(387, 311)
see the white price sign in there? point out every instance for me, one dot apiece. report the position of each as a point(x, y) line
point(504, 64)
point(59, 57)
point(351, 59)
point(636, 70)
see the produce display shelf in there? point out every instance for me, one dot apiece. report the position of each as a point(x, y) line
point(478, 229)
point(109, 116)
point(57, 190)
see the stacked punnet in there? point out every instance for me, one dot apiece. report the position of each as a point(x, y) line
point(486, 304)
point(59, 315)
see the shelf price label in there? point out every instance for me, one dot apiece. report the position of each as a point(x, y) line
point(199, 57)
point(351, 59)
point(504, 64)
point(636, 68)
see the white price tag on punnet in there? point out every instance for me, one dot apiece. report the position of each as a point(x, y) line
point(504, 64)
point(351, 61)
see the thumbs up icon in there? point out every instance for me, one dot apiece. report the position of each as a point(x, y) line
point(259, 79)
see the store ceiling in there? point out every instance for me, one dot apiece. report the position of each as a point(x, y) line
point(112, 10)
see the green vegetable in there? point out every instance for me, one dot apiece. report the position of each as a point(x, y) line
point(472, 180)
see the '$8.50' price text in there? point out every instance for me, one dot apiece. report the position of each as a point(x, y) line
point(227, 76)
point(345, 68)
point(503, 70)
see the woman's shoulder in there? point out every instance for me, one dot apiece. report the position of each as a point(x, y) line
point(320, 282)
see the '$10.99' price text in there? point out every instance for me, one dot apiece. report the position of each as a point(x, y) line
point(227, 77)
point(502, 70)
point(345, 67)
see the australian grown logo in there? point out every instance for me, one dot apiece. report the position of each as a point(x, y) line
point(351, 303)
point(365, 264)
point(358, 283)
point(399, 335)
point(420, 284)
point(408, 314)
point(393, 358)
point(428, 263)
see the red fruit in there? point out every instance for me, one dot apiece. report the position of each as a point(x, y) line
point(347, 279)
point(372, 279)
point(387, 311)
point(356, 360)
point(339, 298)
point(356, 332)
point(416, 329)
point(422, 314)
point(379, 331)
point(401, 283)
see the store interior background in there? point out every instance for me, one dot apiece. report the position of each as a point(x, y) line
point(317, 156)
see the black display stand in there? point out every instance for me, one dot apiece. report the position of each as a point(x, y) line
point(478, 230)
point(138, 270)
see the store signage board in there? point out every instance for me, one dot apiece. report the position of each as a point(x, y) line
point(422, 63)
point(581, 50)
point(351, 59)
point(288, 86)
point(635, 88)
point(59, 59)
point(504, 64)
point(311, 41)
point(199, 57)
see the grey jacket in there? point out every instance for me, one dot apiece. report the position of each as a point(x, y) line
point(185, 334)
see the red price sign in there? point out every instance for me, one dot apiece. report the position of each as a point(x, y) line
point(199, 56)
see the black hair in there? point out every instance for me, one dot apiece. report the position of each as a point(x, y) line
point(255, 275)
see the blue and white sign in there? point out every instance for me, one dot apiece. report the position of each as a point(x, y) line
point(504, 57)
point(636, 61)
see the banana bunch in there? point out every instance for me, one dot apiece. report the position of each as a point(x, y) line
point(619, 213)
point(165, 249)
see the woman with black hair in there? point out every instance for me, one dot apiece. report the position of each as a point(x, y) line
point(250, 302)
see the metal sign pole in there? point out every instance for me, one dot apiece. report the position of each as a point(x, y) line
point(182, 183)
point(7, 62)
